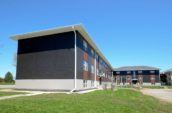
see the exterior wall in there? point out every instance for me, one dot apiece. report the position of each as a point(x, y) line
point(46, 57)
point(145, 77)
point(47, 63)
point(91, 57)
point(45, 84)
point(56, 64)
point(55, 84)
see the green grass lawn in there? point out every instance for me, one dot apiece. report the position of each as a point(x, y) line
point(120, 101)
point(9, 93)
point(4, 83)
point(154, 87)
point(157, 87)
point(169, 87)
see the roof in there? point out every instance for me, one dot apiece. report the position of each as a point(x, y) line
point(167, 71)
point(63, 29)
point(131, 68)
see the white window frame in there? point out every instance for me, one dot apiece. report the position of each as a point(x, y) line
point(118, 72)
point(92, 51)
point(85, 65)
point(97, 72)
point(92, 83)
point(96, 56)
point(84, 83)
point(92, 69)
point(128, 72)
point(85, 45)
point(140, 72)
point(152, 72)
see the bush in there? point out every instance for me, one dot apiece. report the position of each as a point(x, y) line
point(1, 79)
point(8, 77)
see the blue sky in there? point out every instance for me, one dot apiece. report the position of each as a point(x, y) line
point(128, 32)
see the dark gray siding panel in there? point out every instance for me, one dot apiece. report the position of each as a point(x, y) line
point(146, 78)
point(79, 63)
point(46, 43)
point(54, 64)
point(157, 78)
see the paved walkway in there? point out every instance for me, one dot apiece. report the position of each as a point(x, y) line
point(20, 95)
point(33, 93)
point(162, 94)
point(7, 86)
point(27, 93)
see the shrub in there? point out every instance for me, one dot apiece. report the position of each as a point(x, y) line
point(8, 77)
point(1, 79)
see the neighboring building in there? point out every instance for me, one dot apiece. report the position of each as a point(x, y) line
point(63, 58)
point(143, 75)
point(168, 74)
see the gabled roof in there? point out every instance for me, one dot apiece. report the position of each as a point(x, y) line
point(132, 68)
point(167, 71)
point(63, 29)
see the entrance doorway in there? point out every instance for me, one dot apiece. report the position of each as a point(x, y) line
point(134, 81)
point(100, 81)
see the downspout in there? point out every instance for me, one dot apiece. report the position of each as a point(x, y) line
point(95, 71)
point(75, 64)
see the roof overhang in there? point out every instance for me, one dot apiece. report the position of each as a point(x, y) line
point(63, 29)
point(135, 68)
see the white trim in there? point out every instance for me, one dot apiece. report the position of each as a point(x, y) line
point(75, 72)
point(95, 71)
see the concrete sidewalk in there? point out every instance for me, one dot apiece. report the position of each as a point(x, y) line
point(162, 94)
point(33, 93)
point(27, 93)
point(7, 86)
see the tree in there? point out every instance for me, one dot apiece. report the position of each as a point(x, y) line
point(1, 79)
point(8, 77)
point(163, 78)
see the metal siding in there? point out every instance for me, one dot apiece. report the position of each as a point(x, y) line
point(50, 62)
point(46, 43)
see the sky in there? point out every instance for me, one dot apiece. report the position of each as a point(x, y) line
point(128, 32)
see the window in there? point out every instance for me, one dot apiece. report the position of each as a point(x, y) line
point(152, 78)
point(118, 72)
point(134, 74)
point(92, 83)
point(128, 72)
point(97, 72)
point(85, 56)
point(92, 52)
point(101, 73)
point(85, 45)
point(140, 78)
point(92, 69)
point(96, 56)
point(100, 61)
point(128, 78)
point(85, 65)
point(139, 72)
point(152, 72)
point(84, 83)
